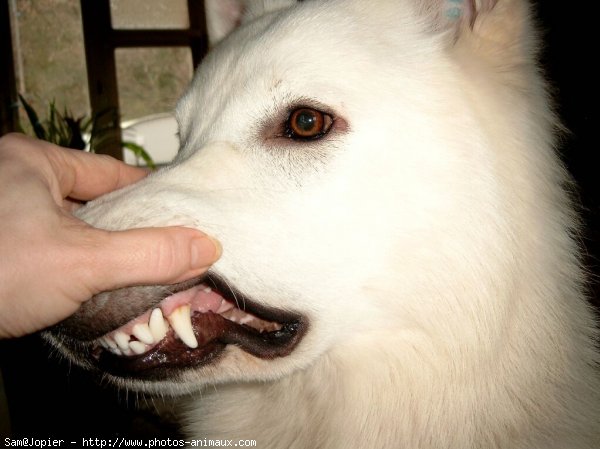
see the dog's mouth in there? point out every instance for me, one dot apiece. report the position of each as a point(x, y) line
point(191, 328)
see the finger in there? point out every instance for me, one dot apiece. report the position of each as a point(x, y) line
point(147, 256)
point(84, 176)
point(67, 172)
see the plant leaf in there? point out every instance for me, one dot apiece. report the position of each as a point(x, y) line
point(139, 151)
point(39, 130)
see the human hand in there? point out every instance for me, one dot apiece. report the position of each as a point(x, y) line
point(50, 261)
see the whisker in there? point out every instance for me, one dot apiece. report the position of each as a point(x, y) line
point(243, 307)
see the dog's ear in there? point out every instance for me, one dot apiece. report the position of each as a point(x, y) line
point(502, 30)
point(454, 15)
point(222, 17)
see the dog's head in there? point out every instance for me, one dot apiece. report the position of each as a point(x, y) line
point(342, 153)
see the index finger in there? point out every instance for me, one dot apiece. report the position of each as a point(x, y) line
point(67, 172)
point(84, 176)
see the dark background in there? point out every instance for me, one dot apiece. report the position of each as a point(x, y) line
point(570, 58)
point(48, 398)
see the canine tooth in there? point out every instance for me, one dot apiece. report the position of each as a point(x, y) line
point(207, 290)
point(122, 340)
point(142, 332)
point(137, 347)
point(157, 325)
point(103, 343)
point(181, 323)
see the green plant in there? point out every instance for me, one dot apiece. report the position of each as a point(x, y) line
point(78, 133)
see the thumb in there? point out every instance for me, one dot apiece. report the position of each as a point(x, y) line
point(149, 256)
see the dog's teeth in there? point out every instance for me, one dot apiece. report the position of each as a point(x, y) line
point(122, 340)
point(181, 323)
point(207, 290)
point(142, 333)
point(137, 347)
point(116, 351)
point(246, 319)
point(157, 325)
point(127, 351)
point(109, 342)
point(225, 306)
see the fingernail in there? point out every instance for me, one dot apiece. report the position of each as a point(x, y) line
point(205, 251)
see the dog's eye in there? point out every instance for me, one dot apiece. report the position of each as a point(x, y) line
point(307, 124)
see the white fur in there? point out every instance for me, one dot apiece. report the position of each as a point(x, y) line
point(430, 242)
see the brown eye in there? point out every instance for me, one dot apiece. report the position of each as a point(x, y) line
point(307, 124)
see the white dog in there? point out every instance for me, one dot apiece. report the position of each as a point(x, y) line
point(399, 267)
